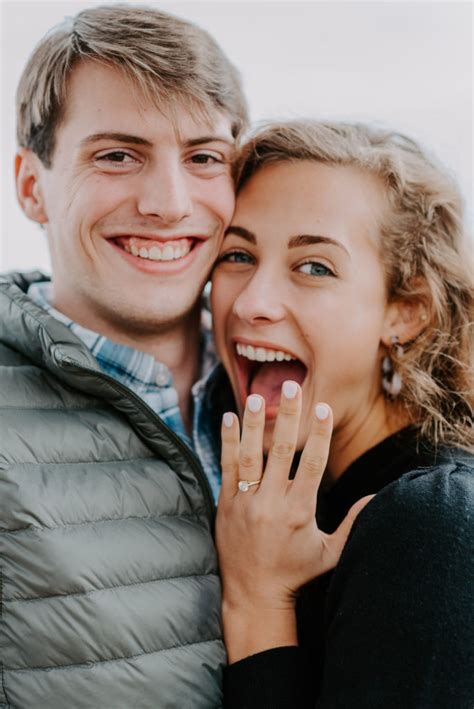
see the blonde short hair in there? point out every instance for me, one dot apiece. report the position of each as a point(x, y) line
point(168, 59)
point(425, 255)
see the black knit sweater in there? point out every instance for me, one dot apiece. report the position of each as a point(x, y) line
point(392, 626)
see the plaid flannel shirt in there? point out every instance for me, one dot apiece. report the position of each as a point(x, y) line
point(153, 382)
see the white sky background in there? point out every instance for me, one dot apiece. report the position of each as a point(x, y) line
point(406, 65)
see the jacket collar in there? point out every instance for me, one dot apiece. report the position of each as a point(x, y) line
point(27, 328)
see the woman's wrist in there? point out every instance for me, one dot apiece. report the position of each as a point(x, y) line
point(248, 630)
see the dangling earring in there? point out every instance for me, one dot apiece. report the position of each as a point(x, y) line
point(391, 379)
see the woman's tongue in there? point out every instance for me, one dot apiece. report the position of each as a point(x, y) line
point(270, 376)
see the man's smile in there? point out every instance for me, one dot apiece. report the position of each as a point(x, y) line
point(157, 250)
point(157, 255)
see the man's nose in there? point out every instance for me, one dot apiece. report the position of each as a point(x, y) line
point(165, 192)
point(261, 300)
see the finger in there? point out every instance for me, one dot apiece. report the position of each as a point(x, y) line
point(230, 436)
point(251, 443)
point(315, 455)
point(337, 541)
point(285, 436)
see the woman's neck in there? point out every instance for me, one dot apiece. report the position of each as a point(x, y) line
point(353, 438)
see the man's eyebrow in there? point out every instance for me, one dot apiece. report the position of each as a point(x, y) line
point(210, 139)
point(294, 242)
point(137, 140)
point(240, 231)
point(119, 137)
point(309, 239)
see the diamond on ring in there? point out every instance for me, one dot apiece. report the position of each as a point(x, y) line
point(244, 485)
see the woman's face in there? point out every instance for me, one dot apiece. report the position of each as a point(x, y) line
point(299, 291)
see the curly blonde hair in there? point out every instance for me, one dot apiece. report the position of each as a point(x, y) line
point(425, 254)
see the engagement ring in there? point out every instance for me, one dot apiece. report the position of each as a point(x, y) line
point(245, 484)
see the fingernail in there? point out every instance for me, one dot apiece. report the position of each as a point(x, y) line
point(228, 420)
point(254, 403)
point(289, 389)
point(321, 411)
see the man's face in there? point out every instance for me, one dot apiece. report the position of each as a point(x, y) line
point(134, 205)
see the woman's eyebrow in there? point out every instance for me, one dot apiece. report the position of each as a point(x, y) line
point(294, 242)
point(242, 232)
point(309, 239)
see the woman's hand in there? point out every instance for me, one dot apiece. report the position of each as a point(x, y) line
point(268, 541)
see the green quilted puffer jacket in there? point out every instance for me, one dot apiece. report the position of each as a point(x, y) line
point(109, 591)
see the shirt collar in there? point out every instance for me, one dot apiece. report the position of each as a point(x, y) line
point(153, 382)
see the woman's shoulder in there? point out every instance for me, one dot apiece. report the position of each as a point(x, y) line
point(427, 509)
point(399, 602)
point(441, 487)
point(412, 546)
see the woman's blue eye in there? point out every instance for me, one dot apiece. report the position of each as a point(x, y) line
point(236, 257)
point(315, 268)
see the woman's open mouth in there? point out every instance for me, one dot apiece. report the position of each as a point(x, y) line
point(262, 370)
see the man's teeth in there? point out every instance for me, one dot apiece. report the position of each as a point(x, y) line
point(167, 252)
point(262, 354)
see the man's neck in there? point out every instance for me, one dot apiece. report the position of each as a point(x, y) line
point(176, 346)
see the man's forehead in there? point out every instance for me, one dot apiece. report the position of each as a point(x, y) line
point(105, 91)
point(190, 121)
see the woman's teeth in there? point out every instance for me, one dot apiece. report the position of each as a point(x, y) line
point(170, 251)
point(262, 354)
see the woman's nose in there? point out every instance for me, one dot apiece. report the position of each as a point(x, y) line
point(260, 300)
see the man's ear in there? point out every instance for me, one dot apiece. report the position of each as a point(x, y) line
point(405, 319)
point(28, 185)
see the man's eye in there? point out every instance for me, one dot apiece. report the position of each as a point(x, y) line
point(315, 268)
point(117, 156)
point(205, 159)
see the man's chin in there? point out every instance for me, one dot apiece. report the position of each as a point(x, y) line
point(140, 319)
